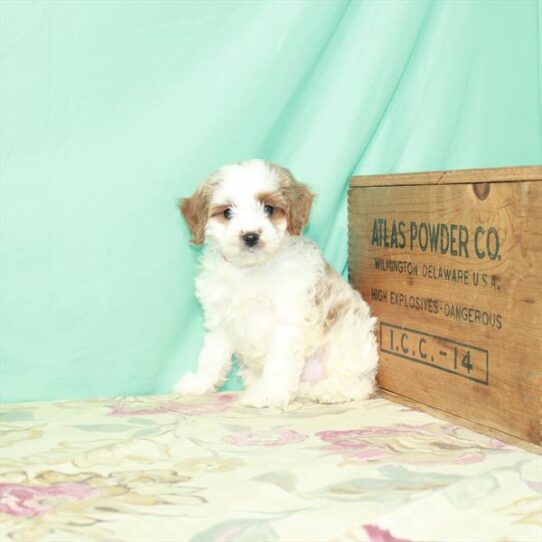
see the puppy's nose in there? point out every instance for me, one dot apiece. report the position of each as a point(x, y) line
point(251, 238)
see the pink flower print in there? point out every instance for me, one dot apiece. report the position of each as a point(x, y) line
point(353, 443)
point(30, 501)
point(407, 444)
point(277, 437)
point(376, 534)
point(375, 431)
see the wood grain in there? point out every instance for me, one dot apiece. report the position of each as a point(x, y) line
point(459, 176)
point(460, 320)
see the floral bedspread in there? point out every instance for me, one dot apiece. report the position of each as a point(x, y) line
point(162, 468)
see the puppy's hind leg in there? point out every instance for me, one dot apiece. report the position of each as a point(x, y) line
point(338, 390)
point(350, 361)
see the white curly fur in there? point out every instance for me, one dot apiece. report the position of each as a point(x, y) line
point(298, 329)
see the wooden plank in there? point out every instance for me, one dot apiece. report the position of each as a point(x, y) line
point(453, 274)
point(464, 176)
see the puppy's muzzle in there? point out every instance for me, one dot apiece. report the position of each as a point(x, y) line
point(251, 238)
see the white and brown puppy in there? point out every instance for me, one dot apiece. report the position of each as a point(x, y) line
point(269, 297)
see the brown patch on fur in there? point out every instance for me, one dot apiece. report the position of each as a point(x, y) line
point(195, 210)
point(323, 288)
point(217, 212)
point(276, 201)
point(335, 312)
point(330, 297)
point(297, 198)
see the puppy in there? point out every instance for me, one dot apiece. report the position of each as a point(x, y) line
point(269, 297)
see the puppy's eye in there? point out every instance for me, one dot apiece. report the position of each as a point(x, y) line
point(268, 210)
point(227, 214)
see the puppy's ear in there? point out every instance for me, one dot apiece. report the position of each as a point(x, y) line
point(299, 202)
point(195, 210)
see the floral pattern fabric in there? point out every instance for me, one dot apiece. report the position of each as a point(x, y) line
point(164, 468)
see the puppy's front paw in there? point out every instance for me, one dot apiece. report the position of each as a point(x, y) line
point(193, 384)
point(261, 397)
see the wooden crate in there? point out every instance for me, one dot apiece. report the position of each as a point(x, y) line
point(451, 263)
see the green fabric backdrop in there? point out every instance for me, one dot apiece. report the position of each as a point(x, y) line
point(112, 110)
